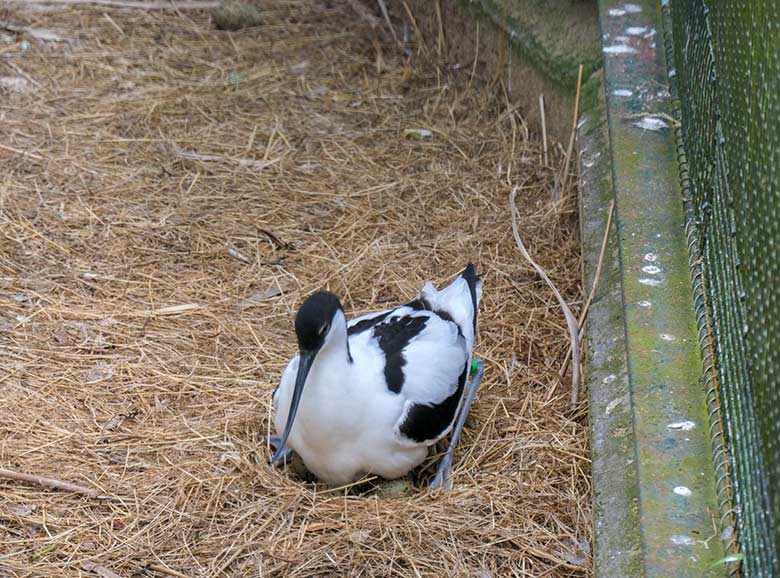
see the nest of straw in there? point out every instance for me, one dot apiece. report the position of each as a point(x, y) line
point(170, 193)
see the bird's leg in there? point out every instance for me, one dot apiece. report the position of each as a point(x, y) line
point(286, 457)
point(442, 478)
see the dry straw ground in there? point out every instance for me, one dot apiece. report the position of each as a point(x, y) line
point(168, 195)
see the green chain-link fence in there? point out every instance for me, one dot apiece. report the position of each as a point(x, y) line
point(726, 68)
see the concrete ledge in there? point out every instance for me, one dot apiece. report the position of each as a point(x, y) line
point(617, 539)
point(676, 481)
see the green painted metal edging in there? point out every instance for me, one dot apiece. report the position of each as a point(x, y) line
point(677, 506)
point(704, 322)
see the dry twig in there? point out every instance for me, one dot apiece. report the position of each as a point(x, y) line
point(571, 321)
point(440, 30)
point(167, 571)
point(386, 16)
point(559, 193)
point(544, 129)
point(101, 571)
point(51, 483)
point(594, 286)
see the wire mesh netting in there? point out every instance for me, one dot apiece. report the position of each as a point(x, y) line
point(726, 67)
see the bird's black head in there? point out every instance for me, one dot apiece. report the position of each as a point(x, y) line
point(313, 324)
point(314, 319)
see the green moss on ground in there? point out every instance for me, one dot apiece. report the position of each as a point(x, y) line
point(234, 15)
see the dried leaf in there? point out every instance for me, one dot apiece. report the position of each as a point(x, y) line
point(259, 297)
point(175, 309)
point(101, 571)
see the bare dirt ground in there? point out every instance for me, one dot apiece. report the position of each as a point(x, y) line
point(169, 195)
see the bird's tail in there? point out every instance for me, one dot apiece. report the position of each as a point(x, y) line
point(475, 288)
point(460, 300)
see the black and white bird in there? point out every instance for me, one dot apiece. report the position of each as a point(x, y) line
point(371, 395)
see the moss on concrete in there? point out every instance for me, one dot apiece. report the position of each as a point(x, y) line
point(554, 35)
point(617, 539)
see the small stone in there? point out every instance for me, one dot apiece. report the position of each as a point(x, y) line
point(15, 85)
point(23, 510)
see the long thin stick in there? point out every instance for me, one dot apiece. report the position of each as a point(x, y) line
point(593, 288)
point(440, 39)
point(420, 39)
point(386, 15)
point(476, 56)
point(544, 129)
point(163, 570)
point(571, 321)
point(160, 5)
point(21, 152)
point(114, 24)
point(501, 60)
point(564, 180)
point(51, 483)
point(599, 265)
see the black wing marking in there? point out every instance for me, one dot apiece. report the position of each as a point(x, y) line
point(426, 422)
point(422, 304)
point(364, 324)
point(419, 304)
point(393, 335)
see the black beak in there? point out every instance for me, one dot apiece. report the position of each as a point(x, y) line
point(305, 362)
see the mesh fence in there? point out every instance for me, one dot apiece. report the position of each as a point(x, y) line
point(725, 63)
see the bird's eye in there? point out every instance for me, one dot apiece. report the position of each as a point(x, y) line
point(324, 330)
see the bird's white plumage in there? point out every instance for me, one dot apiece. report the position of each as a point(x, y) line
point(349, 421)
point(455, 299)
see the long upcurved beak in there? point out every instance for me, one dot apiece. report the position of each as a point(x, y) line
point(305, 362)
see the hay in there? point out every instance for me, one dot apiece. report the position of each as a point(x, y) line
point(146, 296)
